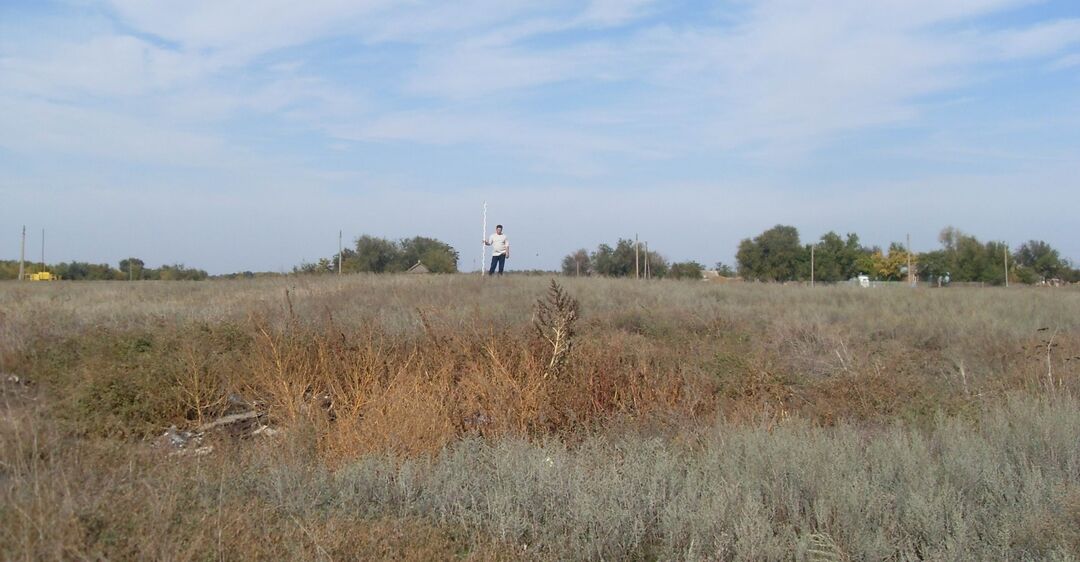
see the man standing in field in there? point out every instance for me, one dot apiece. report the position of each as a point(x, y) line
point(500, 250)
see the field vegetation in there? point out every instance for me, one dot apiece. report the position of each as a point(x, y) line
point(453, 417)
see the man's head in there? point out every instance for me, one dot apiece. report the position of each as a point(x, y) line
point(498, 229)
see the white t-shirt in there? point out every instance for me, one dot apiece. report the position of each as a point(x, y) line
point(499, 245)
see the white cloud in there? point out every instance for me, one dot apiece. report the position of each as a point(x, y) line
point(40, 127)
point(1067, 61)
point(573, 152)
point(104, 65)
point(1039, 40)
point(243, 27)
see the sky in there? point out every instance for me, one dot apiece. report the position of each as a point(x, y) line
point(236, 135)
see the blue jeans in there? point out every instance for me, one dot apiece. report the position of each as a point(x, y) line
point(499, 261)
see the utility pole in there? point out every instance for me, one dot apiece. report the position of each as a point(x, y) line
point(646, 259)
point(637, 265)
point(811, 265)
point(910, 273)
point(22, 255)
point(339, 252)
point(1006, 251)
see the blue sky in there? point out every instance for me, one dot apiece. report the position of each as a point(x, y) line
point(237, 135)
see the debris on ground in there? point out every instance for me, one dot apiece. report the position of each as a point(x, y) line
point(19, 388)
point(14, 380)
point(177, 439)
point(236, 424)
point(240, 425)
point(266, 430)
point(196, 452)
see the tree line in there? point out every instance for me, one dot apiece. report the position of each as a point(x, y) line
point(778, 255)
point(372, 254)
point(131, 268)
point(627, 259)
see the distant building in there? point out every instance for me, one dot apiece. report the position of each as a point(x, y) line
point(715, 277)
point(418, 268)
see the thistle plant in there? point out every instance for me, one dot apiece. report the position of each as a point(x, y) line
point(554, 321)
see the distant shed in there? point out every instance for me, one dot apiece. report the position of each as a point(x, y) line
point(418, 268)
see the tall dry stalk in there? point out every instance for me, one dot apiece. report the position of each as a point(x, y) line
point(554, 322)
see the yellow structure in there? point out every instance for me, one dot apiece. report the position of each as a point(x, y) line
point(44, 276)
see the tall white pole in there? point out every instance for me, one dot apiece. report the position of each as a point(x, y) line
point(637, 263)
point(43, 249)
point(483, 246)
point(22, 255)
point(339, 259)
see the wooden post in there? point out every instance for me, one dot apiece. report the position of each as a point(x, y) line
point(637, 265)
point(910, 271)
point(647, 269)
point(1006, 264)
point(22, 255)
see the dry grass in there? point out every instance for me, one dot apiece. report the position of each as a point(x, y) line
point(440, 400)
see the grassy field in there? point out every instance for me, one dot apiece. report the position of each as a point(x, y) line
point(456, 417)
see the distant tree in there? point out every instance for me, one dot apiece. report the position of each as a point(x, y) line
point(933, 266)
point(855, 256)
point(321, 266)
point(837, 259)
point(347, 258)
point(1041, 259)
point(577, 263)
point(686, 270)
point(620, 260)
point(774, 255)
point(891, 266)
point(373, 255)
point(178, 272)
point(380, 255)
point(437, 256)
point(724, 270)
point(81, 271)
point(1070, 273)
point(132, 268)
point(9, 269)
point(994, 271)
point(829, 258)
point(614, 262)
point(967, 259)
point(864, 263)
point(658, 264)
